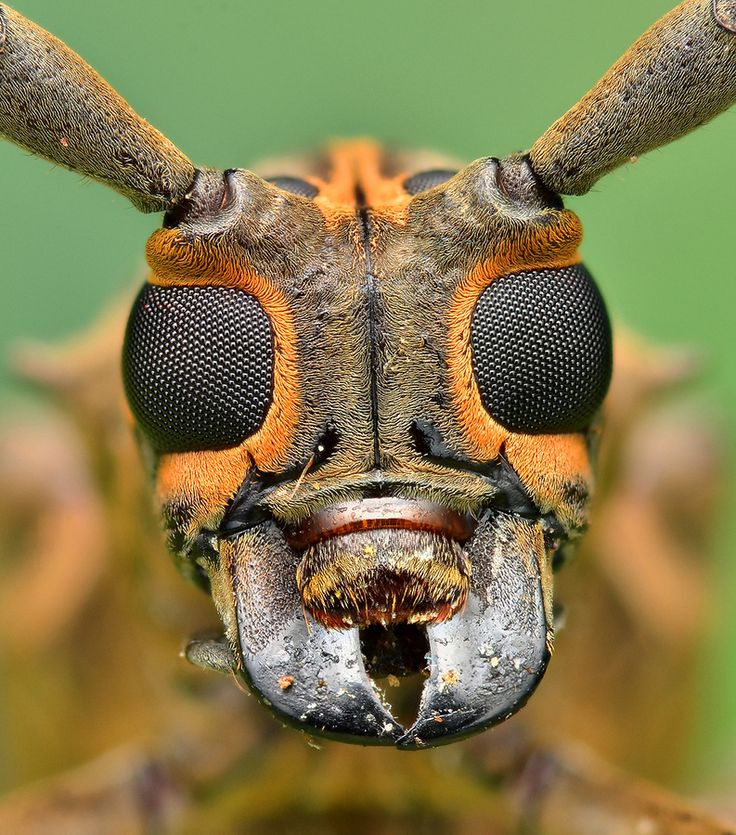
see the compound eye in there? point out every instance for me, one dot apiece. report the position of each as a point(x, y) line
point(425, 180)
point(295, 185)
point(198, 366)
point(542, 350)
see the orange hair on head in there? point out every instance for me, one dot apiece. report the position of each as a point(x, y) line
point(542, 247)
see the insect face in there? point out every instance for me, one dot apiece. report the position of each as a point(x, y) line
point(366, 392)
point(367, 406)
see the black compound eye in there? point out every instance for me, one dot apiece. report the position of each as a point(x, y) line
point(542, 350)
point(427, 179)
point(295, 185)
point(198, 366)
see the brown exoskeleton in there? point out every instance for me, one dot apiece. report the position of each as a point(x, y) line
point(367, 393)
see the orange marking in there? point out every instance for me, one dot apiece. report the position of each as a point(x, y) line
point(541, 247)
point(355, 167)
point(384, 196)
point(204, 481)
point(543, 462)
point(338, 191)
point(176, 263)
point(550, 464)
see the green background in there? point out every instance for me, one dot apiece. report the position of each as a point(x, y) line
point(230, 82)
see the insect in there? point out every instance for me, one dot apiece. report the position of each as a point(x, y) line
point(366, 394)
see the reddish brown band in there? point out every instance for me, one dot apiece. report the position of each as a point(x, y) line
point(370, 514)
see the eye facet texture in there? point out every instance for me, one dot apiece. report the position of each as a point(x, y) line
point(542, 350)
point(198, 366)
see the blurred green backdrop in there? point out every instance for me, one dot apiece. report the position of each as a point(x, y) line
point(234, 81)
